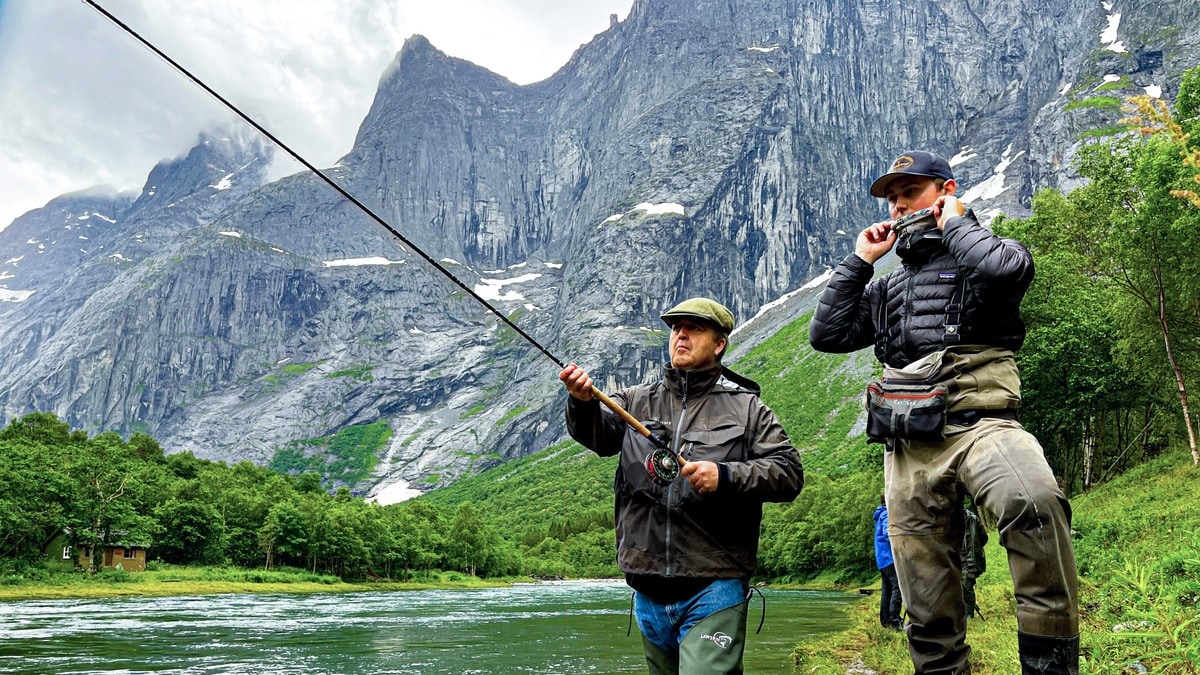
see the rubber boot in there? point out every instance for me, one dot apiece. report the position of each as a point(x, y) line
point(1041, 655)
point(659, 662)
point(715, 645)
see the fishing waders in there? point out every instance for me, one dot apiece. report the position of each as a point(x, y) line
point(712, 647)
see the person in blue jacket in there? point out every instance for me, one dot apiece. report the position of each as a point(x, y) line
point(889, 598)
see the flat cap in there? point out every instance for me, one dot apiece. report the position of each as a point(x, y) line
point(704, 309)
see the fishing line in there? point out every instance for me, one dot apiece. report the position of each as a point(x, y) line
point(321, 174)
point(613, 405)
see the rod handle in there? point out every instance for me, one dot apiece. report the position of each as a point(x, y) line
point(621, 412)
point(629, 419)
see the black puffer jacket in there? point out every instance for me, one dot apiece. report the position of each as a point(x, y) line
point(904, 313)
point(673, 530)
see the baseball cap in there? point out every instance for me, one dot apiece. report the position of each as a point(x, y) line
point(912, 163)
point(701, 308)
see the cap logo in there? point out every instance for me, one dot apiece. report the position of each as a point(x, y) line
point(902, 162)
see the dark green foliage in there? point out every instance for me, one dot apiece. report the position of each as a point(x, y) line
point(1113, 314)
point(106, 491)
point(35, 495)
point(828, 529)
point(816, 396)
point(1187, 103)
point(542, 502)
point(189, 531)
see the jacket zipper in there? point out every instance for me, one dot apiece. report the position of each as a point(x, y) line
point(675, 451)
point(908, 311)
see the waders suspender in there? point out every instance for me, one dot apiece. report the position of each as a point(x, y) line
point(953, 334)
point(952, 326)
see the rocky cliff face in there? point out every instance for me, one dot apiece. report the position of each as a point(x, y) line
point(698, 147)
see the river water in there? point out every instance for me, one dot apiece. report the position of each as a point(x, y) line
point(569, 627)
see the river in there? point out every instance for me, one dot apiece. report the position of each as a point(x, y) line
point(569, 627)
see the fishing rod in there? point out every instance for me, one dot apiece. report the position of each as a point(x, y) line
point(612, 405)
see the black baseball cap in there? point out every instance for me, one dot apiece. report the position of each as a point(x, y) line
point(912, 163)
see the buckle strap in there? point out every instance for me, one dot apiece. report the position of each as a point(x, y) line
point(953, 335)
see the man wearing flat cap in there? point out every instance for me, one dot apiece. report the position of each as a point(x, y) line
point(945, 324)
point(689, 502)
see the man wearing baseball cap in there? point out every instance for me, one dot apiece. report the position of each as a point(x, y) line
point(945, 325)
point(689, 504)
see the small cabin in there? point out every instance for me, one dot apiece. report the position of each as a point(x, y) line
point(63, 553)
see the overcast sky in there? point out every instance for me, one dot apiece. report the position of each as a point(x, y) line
point(83, 104)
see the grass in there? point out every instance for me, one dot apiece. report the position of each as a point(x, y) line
point(1105, 132)
point(170, 580)
point(511, 414)
point(358, 372)
point(803, 387)
point(1101, 102)
point(351, 456)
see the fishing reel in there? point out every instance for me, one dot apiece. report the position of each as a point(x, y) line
point(914, 223)
point(661, 464)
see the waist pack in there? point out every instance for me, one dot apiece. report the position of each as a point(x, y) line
point(909, 403)
point(953, 386)
point(912, 411)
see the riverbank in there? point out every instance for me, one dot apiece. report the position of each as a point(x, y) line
point(167, 580)
point(172, 581)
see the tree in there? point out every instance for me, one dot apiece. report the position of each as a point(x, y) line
point(468, 539)
point(191, 531)
point(1073, 391)
point(107, 482)
point(283, 535)
point(1181, 178)
point(35, 493)
point(1154, 118)
point(429, 525)
point(340, 540)
point(1146, 244)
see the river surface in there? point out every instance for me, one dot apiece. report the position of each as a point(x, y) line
point(568, 627)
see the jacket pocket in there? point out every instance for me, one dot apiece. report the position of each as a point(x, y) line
point(720, 444)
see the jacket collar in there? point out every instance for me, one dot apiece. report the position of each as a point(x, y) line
point(692, 382)
point(919, 248)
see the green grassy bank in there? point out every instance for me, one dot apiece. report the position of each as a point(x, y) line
point(167, 580)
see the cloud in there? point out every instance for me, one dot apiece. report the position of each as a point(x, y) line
point(85, 104)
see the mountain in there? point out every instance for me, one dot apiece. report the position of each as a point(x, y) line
point(697, 147)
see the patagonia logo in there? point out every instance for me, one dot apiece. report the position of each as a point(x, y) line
point(719, 639)
point(947, 275)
